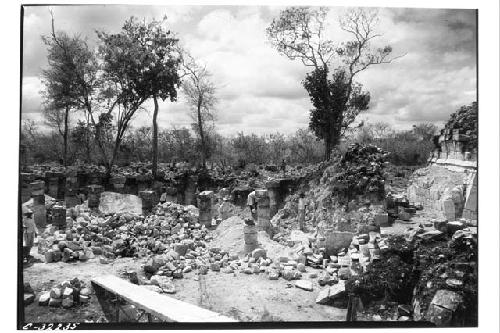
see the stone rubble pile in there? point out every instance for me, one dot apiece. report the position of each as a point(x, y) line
point(446, 293)
point(427, 274)
point(360, 172)
point(125, 235)
point(353, 183)
point(66, 294)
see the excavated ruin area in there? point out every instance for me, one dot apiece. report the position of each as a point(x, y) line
point(366, 239)
point(246, 297)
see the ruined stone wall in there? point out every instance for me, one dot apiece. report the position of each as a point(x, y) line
point(449, 183)
point(452, 192)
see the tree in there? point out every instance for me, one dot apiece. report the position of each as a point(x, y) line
point(59, 81)
point(139, 63)
point(160, 60)
point(336, 105)
point(381, 129)
point(200, 92)
point(299, 33)
point(56, 119)
point(71, 82)
point(304, 148)
point(276, 145)
point(80, 138)
point(425, 131)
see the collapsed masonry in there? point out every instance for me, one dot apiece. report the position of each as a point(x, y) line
point(47, 190)
point(449, 183)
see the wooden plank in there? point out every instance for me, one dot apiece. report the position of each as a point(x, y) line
point(164, 307)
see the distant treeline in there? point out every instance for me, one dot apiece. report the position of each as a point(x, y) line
point(411, 147)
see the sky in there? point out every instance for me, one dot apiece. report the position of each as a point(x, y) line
point(259, 90)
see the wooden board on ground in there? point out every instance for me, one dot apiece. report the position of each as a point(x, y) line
point(163, 307)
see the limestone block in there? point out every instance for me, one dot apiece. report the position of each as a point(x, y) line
point(448, 207)
point(442, 307)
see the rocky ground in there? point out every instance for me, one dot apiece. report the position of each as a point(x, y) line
point(363, 238)
point(246, 297)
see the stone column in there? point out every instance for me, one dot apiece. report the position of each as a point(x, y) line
point(148, 198)
point(38, 196)
point(190, 191)
point(59, 217)
point(250, 237)
point(26, 179)
point(94, 195)
point(263, 214)
point(95, 178)
point(274, 197)
point(143, 182)
point(118, 182)
point(205, 204)
point(71, 188)
point(158, 188)
point(52, 179)
point(130, 185)
point(171, 194)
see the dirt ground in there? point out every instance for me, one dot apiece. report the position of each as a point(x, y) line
point(421, 217)
point(241, 296)
point(237, 295)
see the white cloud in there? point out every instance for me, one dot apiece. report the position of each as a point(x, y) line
point(259, 90)
point(31, 88)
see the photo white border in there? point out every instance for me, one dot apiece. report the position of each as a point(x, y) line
point(488, 141)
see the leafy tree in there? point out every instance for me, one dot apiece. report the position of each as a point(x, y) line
point(80, 138)
point(336, 105)
point(70, 82)
point(139, 63)
point(299, 33)
point(277, 147)
point(200, 92)
point(425, 131)
point(160, 60)
point(59, 80)
point(303, 147)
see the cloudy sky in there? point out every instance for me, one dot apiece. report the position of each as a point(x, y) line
point(259, 90)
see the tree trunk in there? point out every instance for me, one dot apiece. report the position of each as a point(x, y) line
point(97, 134)
point(87, 140)
point(65, 137)
point(328, 147)
point(155, 139)
point(109, 164)
point(202, 136)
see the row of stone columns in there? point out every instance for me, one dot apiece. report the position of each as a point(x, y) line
point(267, 199)
point(65, 186)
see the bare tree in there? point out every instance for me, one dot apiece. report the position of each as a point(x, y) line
point(381, 129)
point(200, 92)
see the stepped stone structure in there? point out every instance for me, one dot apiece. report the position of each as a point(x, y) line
point(449, 182)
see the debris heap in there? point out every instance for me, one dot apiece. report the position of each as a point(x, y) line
point(66, 294)
point(339, 200)
point(427, 274)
